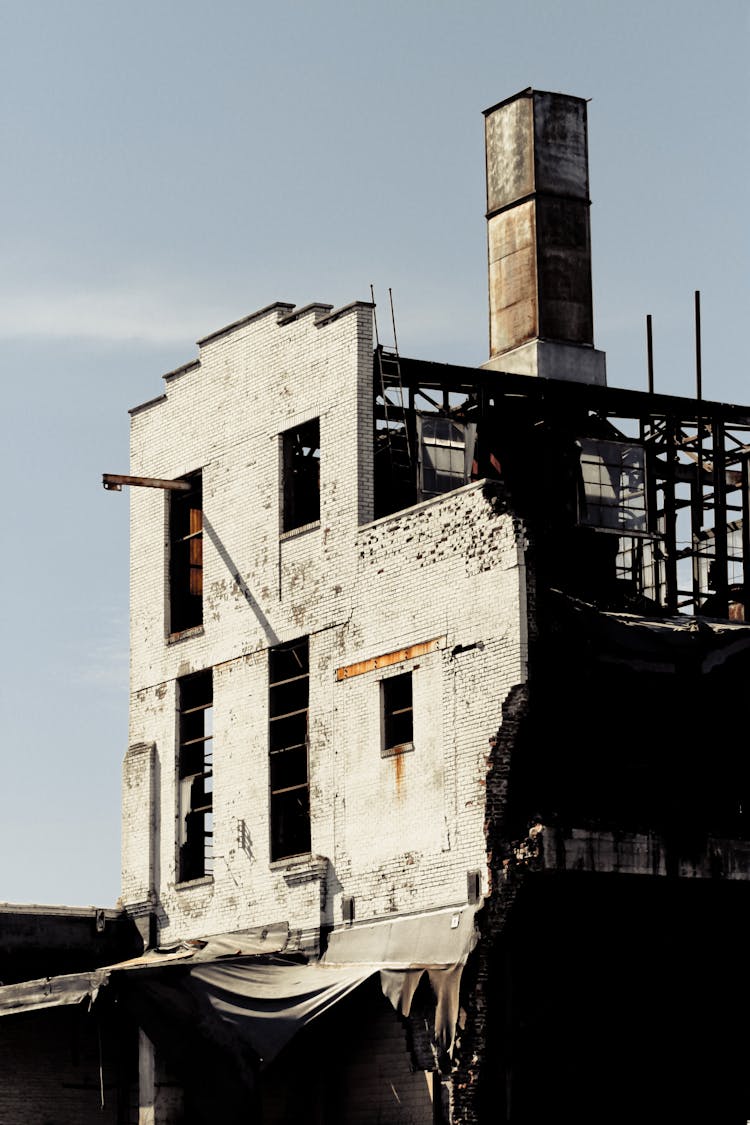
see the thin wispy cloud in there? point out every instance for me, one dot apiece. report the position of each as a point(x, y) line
point(132, 314)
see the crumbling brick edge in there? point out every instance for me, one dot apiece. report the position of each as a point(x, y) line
point(508, 866)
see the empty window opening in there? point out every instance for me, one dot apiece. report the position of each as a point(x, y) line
point(186, 556)
point(195, 772)
point(301, 453)
point(636, 565)
point(446, 454)
point(614, 485)
point(289, 695)
point(397, 713)
point(710, 572)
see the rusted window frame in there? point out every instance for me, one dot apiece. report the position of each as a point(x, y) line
point(392, 717)
point(300, 448)
point(195, 786)
point(186, 556)
point(285, 694)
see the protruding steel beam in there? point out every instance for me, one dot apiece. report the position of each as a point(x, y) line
point(113, 482)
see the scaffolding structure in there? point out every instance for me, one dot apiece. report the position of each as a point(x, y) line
point(668, 476)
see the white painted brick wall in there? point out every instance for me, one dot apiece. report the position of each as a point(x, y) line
point(398, 833)
point(139, 810)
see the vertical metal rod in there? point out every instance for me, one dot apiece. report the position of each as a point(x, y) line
point(697, 494)
point(670, 515)
point(648, 435)
point(696, 523)
point(650, 350)
point(698, 365)
point(393, 320)
point(101, 1063)
point(374, 315)
point(745, 536)
point(721, 567)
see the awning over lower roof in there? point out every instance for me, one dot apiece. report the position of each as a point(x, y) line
point(249, 1006)
point(73, 988)
point(242, 994)
point(50, 992)
point(404, 949)
point(420, 941)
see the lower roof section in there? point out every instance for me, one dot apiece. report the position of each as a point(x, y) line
point(241, 992)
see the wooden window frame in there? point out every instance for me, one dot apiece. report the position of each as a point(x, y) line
point(397, 714)
point(186, 556)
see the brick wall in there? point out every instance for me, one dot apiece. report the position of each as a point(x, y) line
point(475, 1071)
point(138, 818)
point(397, 833)
point(49, 1070)
point(351, 1067)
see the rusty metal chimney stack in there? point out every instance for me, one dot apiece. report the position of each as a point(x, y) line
point(539, 241)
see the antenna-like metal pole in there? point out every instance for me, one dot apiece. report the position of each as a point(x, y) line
point(374, 315)
point(698, 507)
point(650, 351)
point(393, 320)
point(698, 362)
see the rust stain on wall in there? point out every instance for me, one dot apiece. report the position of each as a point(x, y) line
point(398, 767)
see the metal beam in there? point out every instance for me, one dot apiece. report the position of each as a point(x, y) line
point(114, 482)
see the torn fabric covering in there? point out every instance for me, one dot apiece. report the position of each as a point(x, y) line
point(404, 949)
point(254, 1006)
point(247, 1006)
point(73, 988)
point(261, 939)
point(238, 994)
point(425, 941)
point(266, 1004)
point(51, 992)
point(399, 986)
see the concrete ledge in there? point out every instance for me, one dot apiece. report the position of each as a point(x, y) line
point(549, 359)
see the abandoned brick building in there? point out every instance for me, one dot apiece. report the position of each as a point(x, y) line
point(434, 806)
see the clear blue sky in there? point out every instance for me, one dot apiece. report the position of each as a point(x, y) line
point(169, 167)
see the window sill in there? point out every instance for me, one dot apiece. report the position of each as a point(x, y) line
point(303, 858)
point(303, 868)
point(293, 532)
point(188, 884)
point(392, 751)
point(193, 631)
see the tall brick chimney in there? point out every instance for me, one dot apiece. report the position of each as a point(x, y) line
point(539, 241)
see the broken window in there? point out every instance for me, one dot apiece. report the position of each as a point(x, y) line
point(186, 556)
point(397, 713)
point(301, 454)
point(289, 695)
point(614, 485)
point(446, 454)
point(195, 773)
